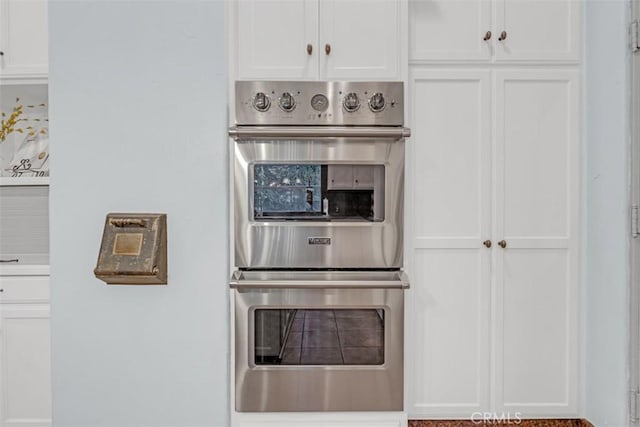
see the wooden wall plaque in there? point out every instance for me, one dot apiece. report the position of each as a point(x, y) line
point(133, 249)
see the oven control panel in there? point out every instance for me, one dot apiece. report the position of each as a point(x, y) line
point(319, 103)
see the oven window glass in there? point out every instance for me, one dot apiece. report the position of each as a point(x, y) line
point(325, 192)
point(319, 337)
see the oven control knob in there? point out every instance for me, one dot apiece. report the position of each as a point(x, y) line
point(377, 103)
point(351, 102)
point(287, 102)
point(261, 102)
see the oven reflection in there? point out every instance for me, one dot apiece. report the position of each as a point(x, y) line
point(319, 337)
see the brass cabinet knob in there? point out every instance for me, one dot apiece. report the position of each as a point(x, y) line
point(487, 243)
point(487, 36)
point(327, 48)
point(309, 49)
point(503, 36)
point(502, 244)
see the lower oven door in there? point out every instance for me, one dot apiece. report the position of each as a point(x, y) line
point(310, 341)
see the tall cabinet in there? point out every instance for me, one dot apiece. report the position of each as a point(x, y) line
point(25, 337)
point(493, 245)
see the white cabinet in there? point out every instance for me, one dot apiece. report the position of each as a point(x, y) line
point(23, 39)
point(25, 352)
point(498, 30)
point(537, 215)
point(24, 223)
point(365, 38)
point(448, 303)
point(487, 320)
point(271, 39)
point(319, 39)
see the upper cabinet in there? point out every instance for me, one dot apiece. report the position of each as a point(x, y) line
point(23, 40)
point(319, 39)
point(495, 31)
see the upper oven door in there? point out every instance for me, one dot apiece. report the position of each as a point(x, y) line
point(319, 202)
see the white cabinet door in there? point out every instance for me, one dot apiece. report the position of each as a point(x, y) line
point(536, 205)
point(450, 30)
point(450, 214)
point(271, 39)
point(525, 194)
point(23, 39)
point(538, 30)
point(472, 30)
point(318, 39)
point(364, 39)
point(25, 365)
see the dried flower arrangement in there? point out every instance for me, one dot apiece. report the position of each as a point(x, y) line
point(12, 124)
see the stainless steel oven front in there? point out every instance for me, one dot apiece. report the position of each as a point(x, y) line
point(318, 187)
point(319, 184)
point(319, 341)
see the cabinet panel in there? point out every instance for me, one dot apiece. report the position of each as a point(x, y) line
point(536, 328)
point(449, 351)
point(272, 36)
point(450, 268)
point(451, 156)
point(365, 38)
point(320, 419)
point(523, 189)
point(24, 224)
point(25, 358)
point(537, 201)
point(24, 289)
point(449, 30)
point(538, 30)
point(24, 38)
point(535, 137)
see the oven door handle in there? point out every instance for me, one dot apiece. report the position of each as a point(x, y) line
point(248, 133)
point(239, 281)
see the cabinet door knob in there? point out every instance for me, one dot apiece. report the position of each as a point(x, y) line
point(327, 48)
point(487, 243)
point(1, 53)
point(502, 244)
point(503, 36)
point(309, 49)
point(487, 36)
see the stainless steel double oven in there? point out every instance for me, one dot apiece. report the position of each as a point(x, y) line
point(318, 233)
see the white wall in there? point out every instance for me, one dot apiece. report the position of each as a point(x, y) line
point(606, 225)
point(138, 120)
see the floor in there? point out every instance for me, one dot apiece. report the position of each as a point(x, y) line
point(519, 423)
point(335, 337)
